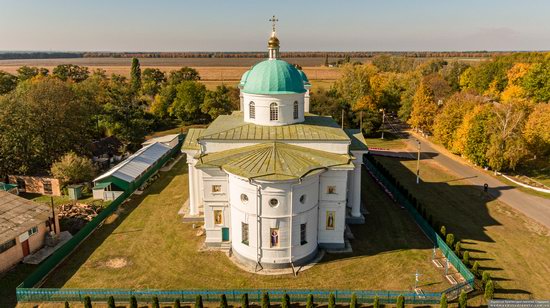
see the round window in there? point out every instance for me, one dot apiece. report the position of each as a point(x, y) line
point(273, 202)
point(303, 199)
point(244, 198)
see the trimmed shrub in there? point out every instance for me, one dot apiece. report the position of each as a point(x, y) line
point(443, 231)
point(450, 240)
point(177, 303)
point(133, 302)
point(353, 302)
point(265, 300)
point(67, 305)
point(400, 302)
point(309, 303)
point(223, 301)
point(156, 302)
point(244, 300)
point(489, 290)
point(198, 301)
point(485, 277)
point(463, 300)
point(331, 301)
point(443, 301)
point(376, 302)
point(111, 302)
point(87, 302)
point(285, 303)
point(466, 258)
point(475, 269)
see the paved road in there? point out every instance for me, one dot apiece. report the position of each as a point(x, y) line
point(532, 206)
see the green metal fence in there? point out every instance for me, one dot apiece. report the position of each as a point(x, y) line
point(426, 228)
point(319, 296)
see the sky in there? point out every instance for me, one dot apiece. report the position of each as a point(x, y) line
point(238, 25)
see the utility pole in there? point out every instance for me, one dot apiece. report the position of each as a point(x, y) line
point(342, 118)
point(361, 121)
point(416, 279)
point(383, 118)
point(418, 164)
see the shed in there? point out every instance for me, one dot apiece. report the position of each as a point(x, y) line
point(132, 172)
point(75, 191)
point(11, 188)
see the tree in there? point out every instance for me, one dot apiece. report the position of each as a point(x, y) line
point(111, 302)
point(354, 82)
point(475, 268)
point(71, 72)
point(331, 301)
point(67, 305)
point(87, 302)
point(133, 302)
point(472, 136)
point(457, 248)
point(198, 301)
point(309, 302)
point(155, 302)
point(463, 299)
point(376, 302)
point(466, 258)
point(443, 231)
point(450, 240)
point(536, 81)
point(424, 108)
point(29, 72)
point(71, 169)
point(244, 300)
point(285, 303)
point(177, 303)
point(219, 101)
point(452, 73)
point(152, 81)
point(183, 74)
point(326, 60)
point(443, 301)
point(135, 75)
point(265, 300)
point(163, 101)
point(189, 99)
point(537, 130)
point(223, 301)
point(411, 81)
point(485, 277)
point(514, 89)
point(489, 290)
point(8, 82)
point(388, 63)
point(400, 303)
point(353, 302)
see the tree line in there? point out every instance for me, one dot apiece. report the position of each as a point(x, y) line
point(495, 113)
point(48, 117)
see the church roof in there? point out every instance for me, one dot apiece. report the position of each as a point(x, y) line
point(358, 142)
point(190, 142)
point(233, 127)
point(273, 76)
point(273, 161)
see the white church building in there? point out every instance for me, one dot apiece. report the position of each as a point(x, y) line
point(273, 182)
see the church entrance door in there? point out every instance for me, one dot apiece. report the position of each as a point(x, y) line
point(225, 234)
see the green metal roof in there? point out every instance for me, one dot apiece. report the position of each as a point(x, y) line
point(273, 77)
point(7, 187)
point(273, 161)
point(304, 76)
point(190, 142)
point(233, 127)
point(243, 78)
point(358, 142)
point(101, 185)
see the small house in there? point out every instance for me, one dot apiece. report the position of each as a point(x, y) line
point(37, 184)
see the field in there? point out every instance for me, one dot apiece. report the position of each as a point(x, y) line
point(145, 245)
point(513, 248)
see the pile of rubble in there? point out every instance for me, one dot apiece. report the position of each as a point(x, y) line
point(74, 216)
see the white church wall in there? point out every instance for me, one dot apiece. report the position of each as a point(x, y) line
point(332, 207)
point(215, 199)
point(262, 104)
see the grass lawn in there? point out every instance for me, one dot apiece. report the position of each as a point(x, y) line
point(10, 280)
point(145, 245)
point(390, 141)
point(59, 200)
point(512, 247)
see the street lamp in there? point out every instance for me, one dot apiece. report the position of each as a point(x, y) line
point(418, 163)
point(383, 117)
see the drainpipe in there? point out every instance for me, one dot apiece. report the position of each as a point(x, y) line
point(290, 224)
point(258, 224)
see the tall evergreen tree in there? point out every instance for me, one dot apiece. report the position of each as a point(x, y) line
point(353, 302)
point(331, 301)
point(463, 300)
point(156, 303)
point(309, 302)
point(265, 300)
point(443, 302)
point(177, 303)
point(133, 302)
point(285, 303)
point(87, 302)
point(135, 75)
point(223, 301)
point(244, 300)
point(198, 301)
point(400, 303)
point(111, 302)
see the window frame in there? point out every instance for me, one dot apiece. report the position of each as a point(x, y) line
point(273, 112)
point(303, 234)
point(245, 226)
point(49, 189)
point(296, 110)
point(331, 190)
point(7, 245)
point(252, 110)
point(217, 191)
point(32, 231)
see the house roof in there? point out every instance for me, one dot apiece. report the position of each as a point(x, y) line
point(358, 142)
point(233, 127)
point(273, 161)
point(18, 215)
point(134, 166)
point(190, 142)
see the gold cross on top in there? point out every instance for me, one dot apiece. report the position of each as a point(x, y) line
point(273, 20)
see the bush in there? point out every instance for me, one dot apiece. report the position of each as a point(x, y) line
point(309, 303)
point(443, 301)
point(489, 290)
point(475, 269)
point(331, 301)
point(198, 301)
point(443, 231)
point(67, 305)
point(244, 301)
point(156, 302)
point(177, 303)
point(466, 258)
point(71, 169)
point(400, 302)
point(87, 302)
point(458, 248)
point(111, 302)
point(485, 277)
point(265, 300)
point(450, 240)
point(376, 302)
point(286, 301)
point(133, 302)
point(353, 303)
point(463, 300)
point(223, 301)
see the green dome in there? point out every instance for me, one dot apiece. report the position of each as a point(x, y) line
point(243, 78)
point(273, 77)
point(304, 76)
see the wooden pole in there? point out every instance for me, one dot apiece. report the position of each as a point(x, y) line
point(53, 215)
point(342, 118)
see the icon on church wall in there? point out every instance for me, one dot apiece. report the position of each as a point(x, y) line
point(330, 220)
point(218, 217)
point(274, 237)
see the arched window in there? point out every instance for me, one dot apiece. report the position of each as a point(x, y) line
point(273, 112)
point(252, 110)
point(295, 110)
